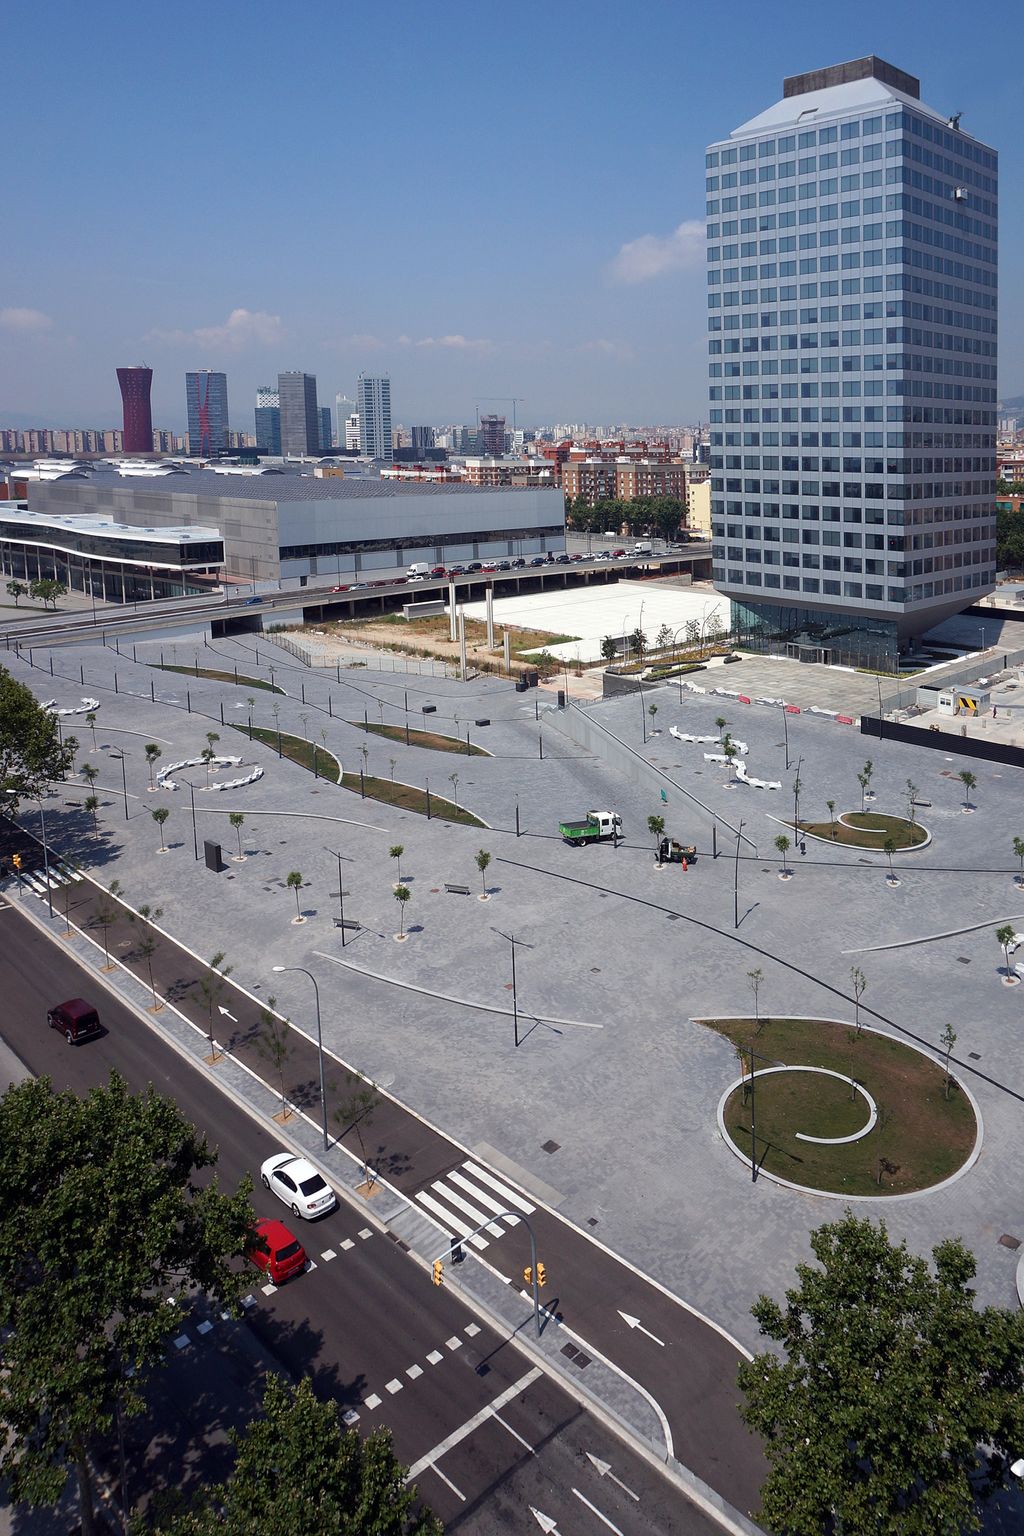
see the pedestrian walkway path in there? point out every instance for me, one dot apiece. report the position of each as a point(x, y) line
point(469, 1196)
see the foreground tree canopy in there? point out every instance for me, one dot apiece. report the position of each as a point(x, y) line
point(102, 1221)
point(30, 750)
point(897, 1404)
point(297, 1471)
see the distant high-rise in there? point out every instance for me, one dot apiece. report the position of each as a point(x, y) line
point(268, 420)
point(492, 436)
point(300, 425)
point(206, 397)
point(343, 409)
point(352, 432)
point(136, 384)
point(374, 393)
point(422, 439)
point(852, 451)
point(326, 429)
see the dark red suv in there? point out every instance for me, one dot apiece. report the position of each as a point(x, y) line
point(76, 1019)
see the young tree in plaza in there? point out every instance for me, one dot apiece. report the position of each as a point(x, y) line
point(31, 752)
point(273, 1043)
point(92, 804)
point(968, 780)
point(609, 648)
point(48, 591)
point(1018, 849)
point(947, 1040)
point(160, 815)
point(755, 978)
point(1004, 938)
point(148, 943)
point(236, 820)
point(296, 1457)
point(782, 844)
point(863, 780)
point(90, 721)
point(90, 774)
point(152, 752)
point(101, 1221)
point(889, 848)
point(402, 895)
point(721, 722)
point(355, 1112)
point(106, 912)
point(395, 852)
point(17, 590)
point(211, 985)
point(896, 1405)
point(481, 860)
point(859, 983)
point(294, 883)
point(832, 814)
point(656, 827)
point(911, 800)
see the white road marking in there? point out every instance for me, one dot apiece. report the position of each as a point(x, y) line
point(205, 1327)
point(471, 1330)
point(476, 1216)
point(464, 1430)
point(328, 1254)
point(547, 1525)
point(414, 1371)
point(373, 1401)
point(346, 1243)
point(182, 1341)
point(449, 1221)
point(594, 1509)
point(514, 1433)
point(366, 1232)
point(502, 1189)
point(482, 1198)
point(604, 1469)
point(453, 1343)
point(268, 1290)
point(457, 1491)
point(634, 1322)
point(393, 1386)
point(435, 1357)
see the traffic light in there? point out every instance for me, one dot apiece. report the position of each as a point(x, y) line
point(16, 860)
point(528, 1275)
point(438, 1272)
point(541, 1275)
point(457, 1254)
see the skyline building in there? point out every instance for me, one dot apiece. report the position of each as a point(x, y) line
point(343, 409)
point(492, 436)
point(422, 439)
point(326, 429)
point(374, 400)
point(852, 359)
point(300, 423)
point(206, 400)
point(136, 385)
point(268, 420)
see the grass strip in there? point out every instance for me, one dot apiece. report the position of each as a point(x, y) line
point(868, 829)
point(434, 741)
point(217, 677)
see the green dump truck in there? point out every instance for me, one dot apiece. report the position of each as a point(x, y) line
point(594, 827)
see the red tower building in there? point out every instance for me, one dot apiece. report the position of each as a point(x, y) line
point(138, 416)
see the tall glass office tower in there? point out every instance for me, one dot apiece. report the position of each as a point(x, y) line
point(374, 398)
point(206, 400)
point(852, 318)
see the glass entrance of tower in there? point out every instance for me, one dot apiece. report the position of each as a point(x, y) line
point(815, 634)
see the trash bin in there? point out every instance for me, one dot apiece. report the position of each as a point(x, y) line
point(533, 678)
point(522, 685)
point(561, 698)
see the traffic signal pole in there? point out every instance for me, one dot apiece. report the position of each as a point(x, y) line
point(534, 1276)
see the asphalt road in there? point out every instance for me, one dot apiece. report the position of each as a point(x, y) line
point(493, 1443)
point(684, 1362)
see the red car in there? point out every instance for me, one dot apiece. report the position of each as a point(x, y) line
point(339, 589)
point(618, 554)
point(438, 570)
point(283, 1255)
point(76, 1019)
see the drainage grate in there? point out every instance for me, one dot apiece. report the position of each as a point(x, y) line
point(591, 1221)
point(595, 969)
point(550, 1146)
point(1009, 1242)
point(973, 1056)
point(673, 917)
point(570, 1350)
point(963, 960)
point(582, 1361)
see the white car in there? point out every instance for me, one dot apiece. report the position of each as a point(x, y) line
point(295, 1181)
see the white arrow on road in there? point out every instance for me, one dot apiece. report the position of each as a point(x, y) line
point(604, 1469)
point(545, 1522)
point(634, 1322)
point(227, 1015)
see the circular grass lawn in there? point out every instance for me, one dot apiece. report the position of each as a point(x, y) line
point(921, 1136)
point(868, 829)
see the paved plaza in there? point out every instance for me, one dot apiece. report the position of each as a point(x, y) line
point(617, 959)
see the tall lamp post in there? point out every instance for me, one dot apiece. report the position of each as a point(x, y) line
point(119, 758)
point(736, 880)
point(195, 835)
point(341, 892)
point(319, 1039)
point(515, 998)
point(46, 857)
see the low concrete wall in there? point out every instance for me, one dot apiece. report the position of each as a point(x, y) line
point(943, 741)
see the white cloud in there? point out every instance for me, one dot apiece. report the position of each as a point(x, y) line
point(605, 348)
point(242, 328)
point(652, 255)
point(24, 320)
point(456, 343)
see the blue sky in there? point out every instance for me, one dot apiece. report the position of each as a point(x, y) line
point(481, 200)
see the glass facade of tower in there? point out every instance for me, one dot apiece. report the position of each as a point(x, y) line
point(206, 400)
point(852, 360)
point(374, 400)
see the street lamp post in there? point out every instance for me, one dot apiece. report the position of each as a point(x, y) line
point(124, 778)
point(341, 893)
point(515, 997)
point(46, 858)
point(195, 835)
point(736, 880)
point(785, 729)
point(319, 1040)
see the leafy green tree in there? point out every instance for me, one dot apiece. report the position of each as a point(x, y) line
point(863, 781)
point(782, 844)
point(721, 722)
point(48, 591)
point(1004, 938)
point(656, 827)
point(638, 643)
point(101, 1221)
point(968, 780)
point(31, 753)
point(90, 773)
point(897, 1402)
point(92, 804)
point(160, 815)
point(395, 852)
point(481, 860)
point(296, 1468)
point(889, 848)
point(294, 883)
point(237, 820)
point(90, 721)
point(17, 590)
point(153, 752)
point(402, 895)
point(609, 648)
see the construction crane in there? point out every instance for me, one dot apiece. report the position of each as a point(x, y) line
point(512, 400)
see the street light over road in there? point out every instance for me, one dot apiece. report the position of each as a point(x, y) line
point(319, 1039)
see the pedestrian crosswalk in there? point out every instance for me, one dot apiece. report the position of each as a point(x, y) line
point(53, 875)
point(469, 1197)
